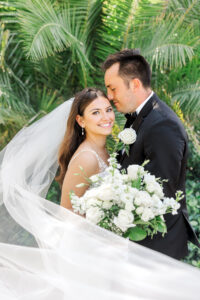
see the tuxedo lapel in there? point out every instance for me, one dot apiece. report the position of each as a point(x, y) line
point(141, 116)
point(144, 112)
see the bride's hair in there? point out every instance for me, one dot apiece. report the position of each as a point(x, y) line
point(73, 135)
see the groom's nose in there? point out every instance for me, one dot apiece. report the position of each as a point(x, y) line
point(110, 96)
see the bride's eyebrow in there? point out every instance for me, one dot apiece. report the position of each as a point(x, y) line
point(100, 108)
point(95, 109)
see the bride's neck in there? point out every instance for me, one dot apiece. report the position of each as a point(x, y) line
point(98, 142)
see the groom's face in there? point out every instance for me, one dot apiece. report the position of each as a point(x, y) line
point(119, 91)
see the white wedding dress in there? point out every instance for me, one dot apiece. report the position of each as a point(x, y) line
point(48, 252)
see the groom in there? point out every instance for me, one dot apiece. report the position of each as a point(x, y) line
point(161, 138)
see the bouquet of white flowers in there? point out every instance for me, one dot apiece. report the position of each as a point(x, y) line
point(131, 205)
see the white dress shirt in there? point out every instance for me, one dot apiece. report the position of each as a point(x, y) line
point(143, 103)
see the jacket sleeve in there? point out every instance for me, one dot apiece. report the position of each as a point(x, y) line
point(165, 146)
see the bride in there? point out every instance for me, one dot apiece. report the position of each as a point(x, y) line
point(89, 123)
point(47, 251)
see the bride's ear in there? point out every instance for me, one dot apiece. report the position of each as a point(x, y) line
point(79, 120)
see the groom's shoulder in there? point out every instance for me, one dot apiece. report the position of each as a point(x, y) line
point(162, 115)
point(162, 112)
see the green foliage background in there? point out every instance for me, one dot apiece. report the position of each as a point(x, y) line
point(50, 49)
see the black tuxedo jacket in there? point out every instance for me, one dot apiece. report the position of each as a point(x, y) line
point(162, 139)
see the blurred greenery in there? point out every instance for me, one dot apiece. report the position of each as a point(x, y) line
point(50, 49)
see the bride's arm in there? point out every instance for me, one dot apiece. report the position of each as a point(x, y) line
point(89, 164)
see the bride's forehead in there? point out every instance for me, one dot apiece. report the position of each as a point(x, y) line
point(100, 102)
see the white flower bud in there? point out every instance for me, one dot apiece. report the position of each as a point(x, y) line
point(139, 210)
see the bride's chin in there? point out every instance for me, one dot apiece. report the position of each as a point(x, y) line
point(107, 132)
point(103, 131)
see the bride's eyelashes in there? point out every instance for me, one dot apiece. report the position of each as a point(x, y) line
point(110, 109)
point(95, 112)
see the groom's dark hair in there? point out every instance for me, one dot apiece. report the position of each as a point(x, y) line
point(131, 65)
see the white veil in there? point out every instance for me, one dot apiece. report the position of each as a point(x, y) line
point(48, 252)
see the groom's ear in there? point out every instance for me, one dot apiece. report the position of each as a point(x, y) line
point(79, 120)
point(135, 84)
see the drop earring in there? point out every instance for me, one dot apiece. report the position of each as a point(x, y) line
point(82, 131)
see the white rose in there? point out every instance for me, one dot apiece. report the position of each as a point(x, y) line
point(105, 192)
point(160, 211)
point(92, 202)
point(107, 204)
point(94, 214)
point(153, 186)
point(132, 171)
point(148, 178)
point(129, 206)
point(127, 136)
point(150, 187)
point(124, 220)
point(156, 200)
point(91, 193)
point(125, 195)
point(134, 192)
point(159, 190)
point(143, 198)
point(147, 215)
point(159, 207)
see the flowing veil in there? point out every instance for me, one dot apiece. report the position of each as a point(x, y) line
point(48, 252)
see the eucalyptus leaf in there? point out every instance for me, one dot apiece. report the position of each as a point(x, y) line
point(137, 234)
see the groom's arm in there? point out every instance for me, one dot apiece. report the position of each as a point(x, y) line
point(165, 146)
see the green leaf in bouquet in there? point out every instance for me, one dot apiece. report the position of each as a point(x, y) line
point(136, 234)
point(127, 149)
point(162, 227)
point(138, 221)
point(145, 162)
point(104, 224)
point(150, 232)
point(115, 209)
point(179, 195)
point(80, 185)
point(136, 183)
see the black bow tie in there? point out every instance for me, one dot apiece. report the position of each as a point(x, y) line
point(130, 118)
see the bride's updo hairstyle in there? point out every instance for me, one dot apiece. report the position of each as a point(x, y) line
point(73, 135)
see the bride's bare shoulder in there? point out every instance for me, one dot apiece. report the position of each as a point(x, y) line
point(86, 159)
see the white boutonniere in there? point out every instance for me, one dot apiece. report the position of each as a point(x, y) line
point(127, 136)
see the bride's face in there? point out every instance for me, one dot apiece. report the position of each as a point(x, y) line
point(98, 117)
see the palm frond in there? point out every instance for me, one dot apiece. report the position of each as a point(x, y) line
point(189, 99)
point(188, 9)
point(11, 67)
point(165, 47)
point(47, 31)
point(45, 100)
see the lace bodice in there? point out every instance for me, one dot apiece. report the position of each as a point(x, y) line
point(101, 163)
